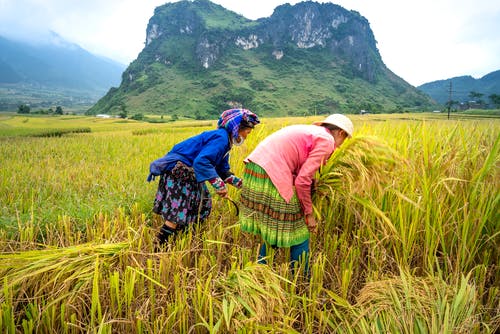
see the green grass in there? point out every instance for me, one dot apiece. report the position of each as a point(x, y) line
point(480, 112)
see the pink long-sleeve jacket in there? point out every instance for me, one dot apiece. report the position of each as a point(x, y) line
point(291, 156)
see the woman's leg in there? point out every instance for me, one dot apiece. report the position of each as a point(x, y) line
point(300, 252)
point(262, 259)
point(262, 254)
point(167, 231)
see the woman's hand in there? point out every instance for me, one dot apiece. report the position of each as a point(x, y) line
point(219, 186)
point(222, 192)
point(311, 223)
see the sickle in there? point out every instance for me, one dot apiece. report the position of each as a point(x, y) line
point(235, 206)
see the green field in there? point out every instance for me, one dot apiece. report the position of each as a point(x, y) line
point(414, 249)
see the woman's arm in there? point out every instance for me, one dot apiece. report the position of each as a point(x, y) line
point(321, 151)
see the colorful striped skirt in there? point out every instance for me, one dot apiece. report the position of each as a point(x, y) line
point(266, 213)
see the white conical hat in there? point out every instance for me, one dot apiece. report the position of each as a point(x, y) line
point(339, 120)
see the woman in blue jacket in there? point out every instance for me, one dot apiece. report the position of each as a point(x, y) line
point(182, 197)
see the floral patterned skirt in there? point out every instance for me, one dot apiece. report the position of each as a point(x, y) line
point(180, 198)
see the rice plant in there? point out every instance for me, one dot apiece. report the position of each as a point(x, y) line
point(409, 222)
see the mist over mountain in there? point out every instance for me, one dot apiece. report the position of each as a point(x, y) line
point(53, 71)
point(309, 58)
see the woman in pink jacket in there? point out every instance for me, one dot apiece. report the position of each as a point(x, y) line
point(276, 196)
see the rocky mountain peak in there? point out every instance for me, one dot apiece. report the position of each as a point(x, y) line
point(345, 34)
point(307, 58)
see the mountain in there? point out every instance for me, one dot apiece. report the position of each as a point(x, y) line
point(51, 72)
point(310, 58)
point(461, 88)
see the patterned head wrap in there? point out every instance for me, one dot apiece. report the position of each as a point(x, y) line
point(232, 118)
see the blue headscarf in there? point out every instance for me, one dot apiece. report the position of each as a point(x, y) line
point(232, 118)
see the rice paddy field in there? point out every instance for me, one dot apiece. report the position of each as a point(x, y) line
point(408, 241)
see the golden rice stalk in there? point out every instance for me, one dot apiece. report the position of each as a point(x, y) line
point(55, 272)
point(252, 295)
point(407, 304)
point(360, 164)
point(355, 176)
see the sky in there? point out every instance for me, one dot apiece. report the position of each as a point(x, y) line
point(420, 41)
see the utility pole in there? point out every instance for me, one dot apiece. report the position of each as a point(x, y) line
point(449, 101)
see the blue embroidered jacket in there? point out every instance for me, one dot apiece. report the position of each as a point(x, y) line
point(207, 153)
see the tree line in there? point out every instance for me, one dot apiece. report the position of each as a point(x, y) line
point(25, 109)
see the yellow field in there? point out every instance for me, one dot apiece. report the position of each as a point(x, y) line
point(416, 253)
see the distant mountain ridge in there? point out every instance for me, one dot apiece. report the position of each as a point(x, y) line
point(461, 87)
point(59, 66)
point(310, 58)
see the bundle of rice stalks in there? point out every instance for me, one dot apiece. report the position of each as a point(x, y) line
point(408, 304)
point(58, 273)
point(252, 296)
point(357, 166)
point(355, 178)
